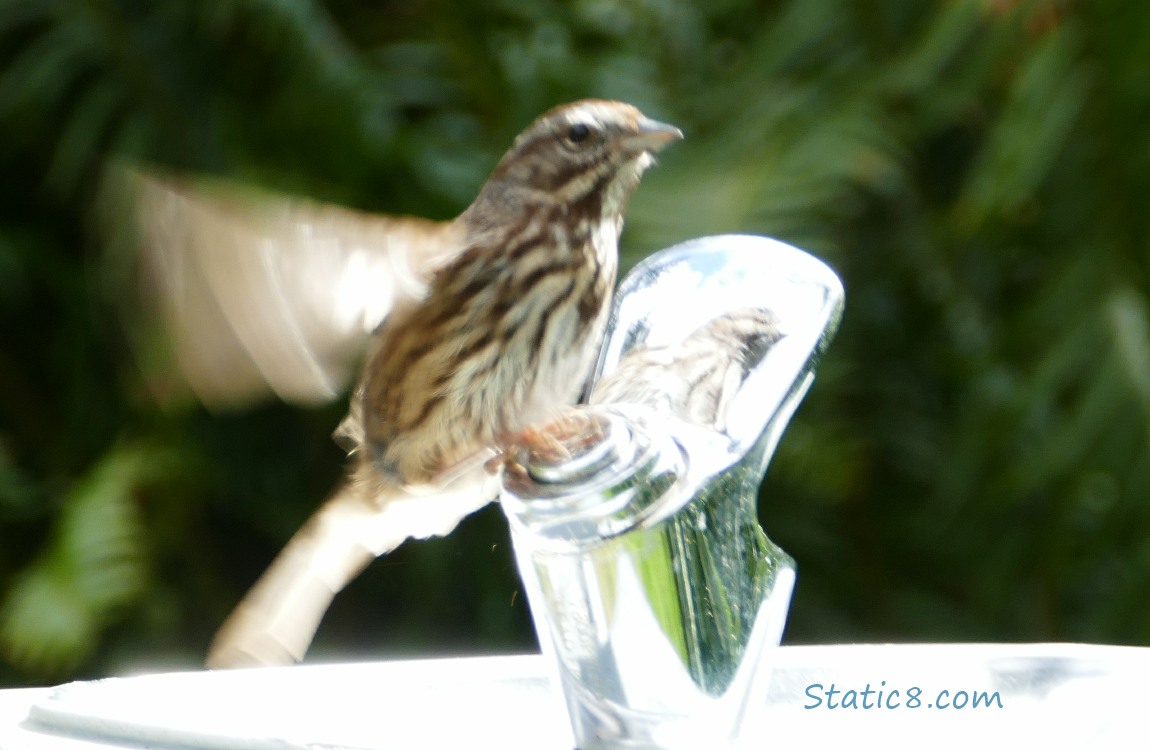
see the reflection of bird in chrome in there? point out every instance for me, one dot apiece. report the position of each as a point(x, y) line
point(483, 326)
point(696, 378)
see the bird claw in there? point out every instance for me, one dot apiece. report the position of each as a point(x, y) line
point(570, 434)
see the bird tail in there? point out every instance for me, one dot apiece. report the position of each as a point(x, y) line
point(277, 619)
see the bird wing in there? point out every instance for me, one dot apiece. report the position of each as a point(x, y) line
point(260, 292)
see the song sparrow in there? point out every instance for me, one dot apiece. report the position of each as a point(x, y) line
point(489, 324)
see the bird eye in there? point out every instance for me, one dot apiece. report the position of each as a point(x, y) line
point(578, 132)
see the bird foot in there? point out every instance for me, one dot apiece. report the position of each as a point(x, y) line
point(569, 435)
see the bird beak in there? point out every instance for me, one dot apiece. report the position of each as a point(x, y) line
point(651, 135)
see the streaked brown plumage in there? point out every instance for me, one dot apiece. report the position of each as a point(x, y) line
point(523, 306)
point(486, 325)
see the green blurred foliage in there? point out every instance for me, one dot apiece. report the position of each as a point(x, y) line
point(972, 463)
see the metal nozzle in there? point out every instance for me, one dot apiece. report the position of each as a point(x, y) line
point(653, 588)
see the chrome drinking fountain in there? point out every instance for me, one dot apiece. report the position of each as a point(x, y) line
point(656, 595)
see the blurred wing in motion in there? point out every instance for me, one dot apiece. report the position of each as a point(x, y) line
point(263, 293)
point(695, 379)
point(277, 619)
